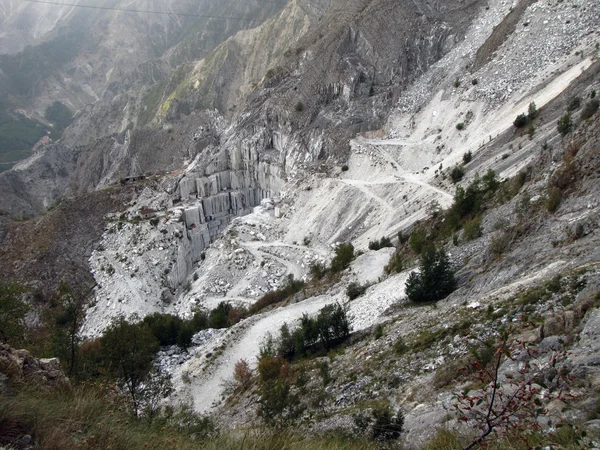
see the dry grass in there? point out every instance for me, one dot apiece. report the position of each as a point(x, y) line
point(91, 418)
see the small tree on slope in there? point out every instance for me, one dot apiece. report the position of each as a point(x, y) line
point(435, 279)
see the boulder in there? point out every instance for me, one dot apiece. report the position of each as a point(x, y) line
point(554, 326)
point(19, 366)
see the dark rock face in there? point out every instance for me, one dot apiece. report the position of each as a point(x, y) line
point(42, 252)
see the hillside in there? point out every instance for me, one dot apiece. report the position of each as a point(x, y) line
point(91, 58)
point(466, 125)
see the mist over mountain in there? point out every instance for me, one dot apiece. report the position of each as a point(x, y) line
point(80, 56)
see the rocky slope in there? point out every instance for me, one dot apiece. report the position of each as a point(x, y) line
point(309, 81)
point(257, 193)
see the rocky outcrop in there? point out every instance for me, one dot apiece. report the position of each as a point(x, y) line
point(18, 366)
point(231, 186)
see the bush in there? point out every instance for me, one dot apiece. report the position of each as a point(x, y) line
point(386, 426)
point(460, 126)
point(164, 327)
point(521, 121)
point(435, 279)
point(344, 254)
point(129, 350)
point(490, 182)
point(185, 335)
point(299, 107)
point(12, 314)
point(472, 229)
point(382, 243)
point(500, 243)
point(590, 109)
point(565, 124)
point(317, 270)
point(457, 174)
point(291, 287)
point(60, 116)
point(355, 290)
point(378, 332)
point(345, 168)
point(218, 317)
point(269, 368)
point(532, 111)
point(329, 328)
point(278, 405)
point(395, 264)
point(574, 104)
point(417, 240)
point(554, 199)
point(467, 157)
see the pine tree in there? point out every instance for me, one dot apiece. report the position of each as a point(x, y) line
point(435, 279)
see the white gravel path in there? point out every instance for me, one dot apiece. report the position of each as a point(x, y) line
point(206, 391)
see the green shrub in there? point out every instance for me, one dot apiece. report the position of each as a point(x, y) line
point(500, 243)
point(344, 254)
point(378, 332)
point(472, 229)
point(355, 290)
point(417, 240)
point(299, 107)
point(164, 327)
point(323, 332)
point(521, 121)
point(270, 367)
point(324, 372)
point(467, 202)
point(490, 182)
point(382, 243)
point(553, 200)
point(129, 351)
point(400, 347)
point(532, 111)
point(574, 104)
point(60, 116)
point(317, 270)
point(435, 279)
point(395, 264)
point(277, 404)
point(457, 174)
point(12, 314)
point(460, 126)
point(185, 334)
point(386, 426)
point(590, 109)
point(467, 157)
point(345, 168)
point(402, 238)
point(218, 317)
point(565, 124)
